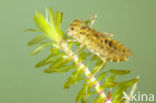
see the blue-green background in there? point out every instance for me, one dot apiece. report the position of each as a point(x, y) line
point(132, 21)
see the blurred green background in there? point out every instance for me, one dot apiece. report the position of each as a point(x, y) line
point(132, 21)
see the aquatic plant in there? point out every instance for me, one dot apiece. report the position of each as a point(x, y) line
point(63, 58)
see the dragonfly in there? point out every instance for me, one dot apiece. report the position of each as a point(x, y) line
point(99, 43)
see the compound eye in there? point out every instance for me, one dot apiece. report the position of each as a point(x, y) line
point(72, 28)
point(110, 43)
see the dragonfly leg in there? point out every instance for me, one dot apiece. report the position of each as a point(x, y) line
point(79, 48)
point(71, 40)
point(92, 19)
point(98, 69)
point(108, 35)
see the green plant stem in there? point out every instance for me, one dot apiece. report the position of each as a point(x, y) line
point(86, 71)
